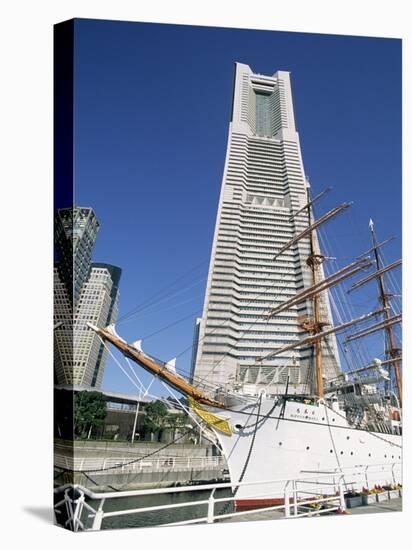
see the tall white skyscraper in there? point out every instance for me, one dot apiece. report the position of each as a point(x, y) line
point(263, 184)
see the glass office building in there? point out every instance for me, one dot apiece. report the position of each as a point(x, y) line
point(75, 233)
point(83, 292)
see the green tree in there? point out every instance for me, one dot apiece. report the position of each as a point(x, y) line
point(89, 412)
point(176, 421)
point(155, 418)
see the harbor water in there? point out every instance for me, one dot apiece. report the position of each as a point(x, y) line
point(159, 517)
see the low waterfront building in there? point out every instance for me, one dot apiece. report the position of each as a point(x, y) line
point(121, 414)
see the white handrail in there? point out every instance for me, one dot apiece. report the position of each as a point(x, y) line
point(229, 484)
point(99, 464)
point(290, 492)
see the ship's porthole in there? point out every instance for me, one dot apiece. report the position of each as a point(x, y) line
point(331, 451)
point(239, 426)
point(307, 448)
point(393, 456)
point(280, 443)
point(341, 452)
point(369, 454)
point(333, 420)
point(323, 418)
point(385, 456)
point(351, 453)
point(298, 410)
point(347, 437)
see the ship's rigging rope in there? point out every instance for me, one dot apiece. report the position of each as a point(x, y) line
point(391, 276)
point(138, 459)
point(258, 319)
point(393, 308)
point(372, 434)
point(161, 297)
point(193, 314)
point(357, 349)
point(249, 413)
point(134, 461)
point(249, 454)
point(161, 310)
point(203, 380)
point(310, 372)
point(342, 300)
point(345, 306)
point(268, 415)
point(326, 405)
point(162, 294)
point(331, 437)
point(200, 424)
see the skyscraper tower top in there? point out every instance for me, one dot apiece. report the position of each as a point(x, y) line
point(262, 105)
point(75, 234)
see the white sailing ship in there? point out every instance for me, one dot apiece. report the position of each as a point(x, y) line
point(352, 420)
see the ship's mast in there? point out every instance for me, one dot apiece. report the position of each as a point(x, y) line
point(384, 297)
point(314, 261)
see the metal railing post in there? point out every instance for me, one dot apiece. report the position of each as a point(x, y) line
point(287, 500)
point(69, 507)
point(98, 517)
point(211, 507)
point(295, 498)
point(77, 512)
point(366, 477)
point(342, 503)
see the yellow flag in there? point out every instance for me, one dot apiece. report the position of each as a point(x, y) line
point(213, 420)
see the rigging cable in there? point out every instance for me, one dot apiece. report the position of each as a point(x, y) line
point(134, 461)
point(249, 454)
point(161, 310)
point(260, 317)
point(193, 314)
point(346, 306)
point(149, 301)
point(202, 379)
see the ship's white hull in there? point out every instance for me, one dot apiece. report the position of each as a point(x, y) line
point(303, 440)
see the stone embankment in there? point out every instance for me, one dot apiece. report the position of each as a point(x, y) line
point(107, 465)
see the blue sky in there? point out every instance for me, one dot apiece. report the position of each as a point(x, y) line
point(152, 107)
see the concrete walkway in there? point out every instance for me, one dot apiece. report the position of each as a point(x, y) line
point(394, 505)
